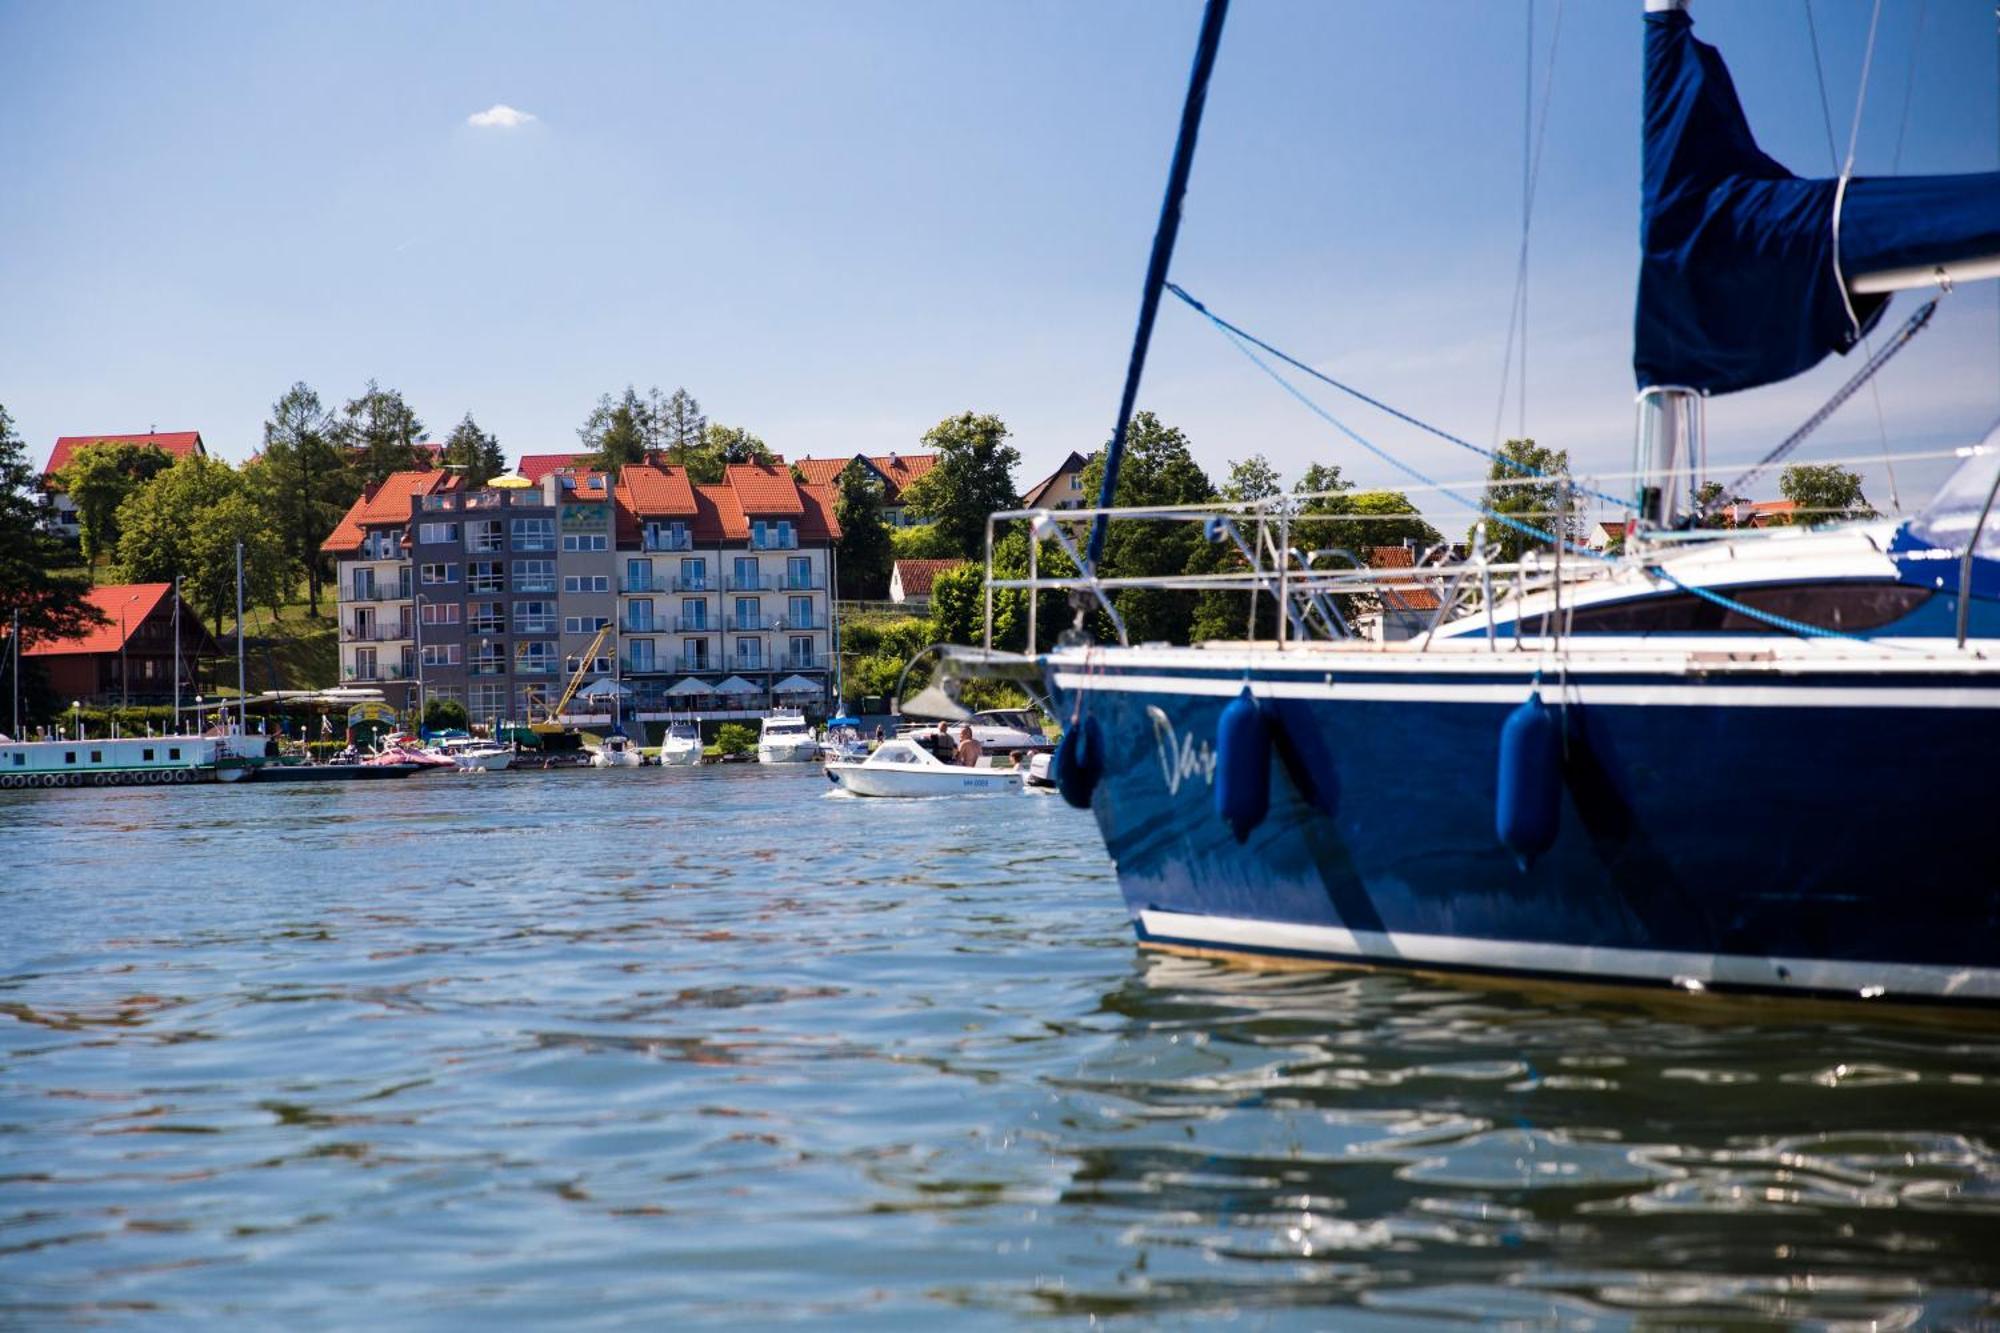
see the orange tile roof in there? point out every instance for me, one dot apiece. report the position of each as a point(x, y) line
point(764, 488)
point(916, 576)
point(655, 491)
point(123, 606)
point(818, 523)
point(897, 470)
point(718, 516)
point(822, 471)
point(388, 501)
point(178, 443)
point(1402, 595)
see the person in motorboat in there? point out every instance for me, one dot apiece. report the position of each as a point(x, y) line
point(968, 752)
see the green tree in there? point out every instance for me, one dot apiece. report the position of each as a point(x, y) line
point(973, 477)
point(864, 550)
point(921, 541)
point(1159, 469)
point(718, 447)
point(445, 715)
point(184, 525)
point(1252, 479)
point(618, 431)
point(681, 427)
point(98, 478)
point(1711, 503)
point(303, 482)
point(1529, 484)
point(380, 432)
point(473, 453)
point(735, 738)
point(50, 604)
point(1824, 493)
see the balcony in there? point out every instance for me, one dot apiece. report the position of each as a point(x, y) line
point(693, 625)
point(380, 671)
point(646, 666)
point(537, 625)
point(760, 583)
point(703, 584)
point(630, 585)
point(647, 626)
point(373, 633)
point(775, 541)
point(668, 541)
point(801, 582)
point(804, 662)
point(752, 624)
point(487, 667)
point(685, 664)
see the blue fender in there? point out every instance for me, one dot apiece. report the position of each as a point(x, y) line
point(1527, 801)
point(1079, 762)
point(1243, 765)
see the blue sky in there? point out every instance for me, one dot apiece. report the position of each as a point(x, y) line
point(836, 224)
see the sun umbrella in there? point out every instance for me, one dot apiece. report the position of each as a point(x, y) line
point(691, 686)
point(737, 685)
point(797, 685)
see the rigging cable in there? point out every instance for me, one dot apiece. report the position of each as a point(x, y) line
point(1240, 336)
point(1531, 173)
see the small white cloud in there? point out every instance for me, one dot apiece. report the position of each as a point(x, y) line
point(499, 116)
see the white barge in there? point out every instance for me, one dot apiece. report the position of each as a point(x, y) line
point(128, 761)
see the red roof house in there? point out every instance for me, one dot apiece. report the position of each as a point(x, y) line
point(178, 443)
point(128, 656)
point(911, 580)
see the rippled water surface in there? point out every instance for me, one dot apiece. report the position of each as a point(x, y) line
point(673, 1047)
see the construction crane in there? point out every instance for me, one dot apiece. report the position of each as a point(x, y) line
point(549, 725)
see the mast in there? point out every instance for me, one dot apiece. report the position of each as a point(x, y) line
point(177, 654)
point(242, 717)
point(16, 636)
point(1156, 267)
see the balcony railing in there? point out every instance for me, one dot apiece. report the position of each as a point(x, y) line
point(703, 584)
point(753, 624)
point(380, 671)
point(693, 625)
point(686, 664)
point(642, 627)
point(772, 541)
point(804, 662)
point(486, 668)
point(643, 666)
point(359, 633)
point(669, 541)
point(746, 583)
point(642, 585)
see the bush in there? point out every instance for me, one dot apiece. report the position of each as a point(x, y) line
point(735, 738)
point(446, 714)
point(923, 541)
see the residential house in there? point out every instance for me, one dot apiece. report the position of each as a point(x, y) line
point(1761, 513)
point(910, 581)
point(733, 580)
point(1061, 489)
point(893, 472)
point(60, 514)
point(133, 655)
point(377, 580)
point(536, 466)
point(1406, 603)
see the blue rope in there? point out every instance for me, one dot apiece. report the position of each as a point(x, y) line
point(1622, 502)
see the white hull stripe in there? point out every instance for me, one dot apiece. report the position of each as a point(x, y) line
point(1576, 962)
point(1512, 692)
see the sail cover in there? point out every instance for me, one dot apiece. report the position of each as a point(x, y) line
point(1737, 278)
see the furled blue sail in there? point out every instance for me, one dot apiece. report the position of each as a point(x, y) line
point(1741, 279)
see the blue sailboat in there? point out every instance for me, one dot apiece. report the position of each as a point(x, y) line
point(1757, 761)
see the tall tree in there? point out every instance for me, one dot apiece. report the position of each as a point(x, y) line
point(618, 431)
point(865, 552)
point(184, 525)
point(1528, 484)
point(302, 480)
point(1252, 479)
point(973, 477)
point(380, 432)
point(50, 604)
point(680, 424)
point(1159, 469)
point(718, 447)
point(473, 453)
point(1824, 493)
point(98, 478)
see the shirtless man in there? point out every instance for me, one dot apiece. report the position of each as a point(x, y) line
point(968, 748)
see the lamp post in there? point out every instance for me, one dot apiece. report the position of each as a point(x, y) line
point(76, 717)
point(418, 624)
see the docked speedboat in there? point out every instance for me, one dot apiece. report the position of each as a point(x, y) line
point(479, 756)
point(904, 768)
point(405, 749)
point(616, 751)
point(843, 740)
point(681, 747)
point(785, 739)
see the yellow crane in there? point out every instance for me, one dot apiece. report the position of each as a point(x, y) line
point(549, 726)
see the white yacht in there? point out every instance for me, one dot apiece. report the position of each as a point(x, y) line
point(681, 747)
point(904, 768)
point(616, 751)
point(786, 739)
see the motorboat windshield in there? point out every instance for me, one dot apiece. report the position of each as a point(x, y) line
point(1947, 522)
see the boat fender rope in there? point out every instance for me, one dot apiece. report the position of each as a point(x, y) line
point(1527, 799)
point(1243, 765)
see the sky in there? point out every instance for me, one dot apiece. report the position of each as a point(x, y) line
point(836, 224)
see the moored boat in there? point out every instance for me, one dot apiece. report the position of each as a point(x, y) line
point(129, 761)
point(785, 739)
point(904, 768)
point(616, 751)
point(681, 746)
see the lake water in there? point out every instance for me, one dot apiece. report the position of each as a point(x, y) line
point(672, 1047)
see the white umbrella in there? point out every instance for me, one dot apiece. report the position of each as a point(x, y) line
point(691, 686)
point(603, 687)
point(797, 685)
point(737, 685)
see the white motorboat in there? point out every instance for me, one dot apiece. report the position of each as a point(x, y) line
point(904, 768)
point(843, 740)
point(616, 751)
point(477, 756)
point(785, 739)
point(681, 747)
point(1039, 774)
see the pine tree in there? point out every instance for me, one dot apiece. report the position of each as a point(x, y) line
point(380, 432)
point(473, 453)
point(49, 604)
point(304, 482)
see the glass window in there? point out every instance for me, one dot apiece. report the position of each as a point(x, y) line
point(638, 576)
point(799, 572)
point(364, 585)
point(642, 654)
point(694, 574)
point(487, 618)
point(586, 583)
point(534, 576)
point(485, 576)
point(534, 534)
point(694, 613)
point(483, 535)
point(746, 613)
point(534, 617)
point(439, 613)
point(534, 657)
point(802, 652)
point(440, 573)
point(433, 533)
point(800, 613)
point(747, 573)
point(441, 654)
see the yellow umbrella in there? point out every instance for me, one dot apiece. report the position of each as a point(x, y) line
point(512, 481)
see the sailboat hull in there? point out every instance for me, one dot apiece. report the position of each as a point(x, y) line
point(1825, 832)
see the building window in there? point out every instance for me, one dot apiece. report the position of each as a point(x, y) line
point(534, 534)
point(440, 573)
point(802, 651)
point(145, 756)
point(772, 534)
point(641, 655)
point(439, 613)
point(694, 575)
point(638, 576)
point(486, 701)
point(364, 585)
point(174, 753)
point(585, 541)
point(488, 618)
point(534, 576)
point(534, 658)
point(671, 536)
point(747, 575)
point(801, 613)
point(482, 536)
point(432, 534)
point(69, 756)
point(746, 614)
point(749, 654)
point(534, 617)
point(364, 664)
point(584, 624)
point(694, 613)
point(485, 576)
point(440, 654)
point(639, 616)
point(696, 658)
point(585, 582)
point(451, 692)
point(799, 572)
point(488, 659)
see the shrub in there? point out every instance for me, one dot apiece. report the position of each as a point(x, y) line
point(735, 738)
